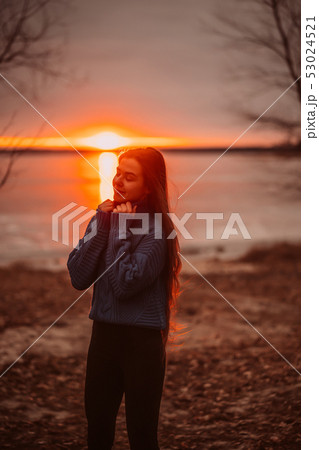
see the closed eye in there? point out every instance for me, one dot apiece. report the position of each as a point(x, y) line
point(128, 177)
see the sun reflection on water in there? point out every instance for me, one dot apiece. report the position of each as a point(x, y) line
point(107, 167)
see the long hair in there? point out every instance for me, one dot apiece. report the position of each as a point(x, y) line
point(155, 179)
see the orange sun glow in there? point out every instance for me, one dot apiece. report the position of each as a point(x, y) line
point(105, 141)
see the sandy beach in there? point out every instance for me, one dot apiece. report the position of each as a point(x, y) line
point(225, 386)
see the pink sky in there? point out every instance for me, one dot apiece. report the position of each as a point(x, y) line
point(148, 69)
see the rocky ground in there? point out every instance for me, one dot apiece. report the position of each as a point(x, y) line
point(225, 386)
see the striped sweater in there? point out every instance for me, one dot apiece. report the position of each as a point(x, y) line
point(132, 290)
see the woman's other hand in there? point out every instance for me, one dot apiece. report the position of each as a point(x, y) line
point(106, 206)
point(125, 208)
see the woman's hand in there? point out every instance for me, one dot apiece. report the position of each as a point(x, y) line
point(106, 206)
point(125, 207)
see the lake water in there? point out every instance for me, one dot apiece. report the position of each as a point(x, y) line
point(264, 189)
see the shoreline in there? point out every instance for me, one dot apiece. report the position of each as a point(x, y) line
point(225, 386)
point(197, 254)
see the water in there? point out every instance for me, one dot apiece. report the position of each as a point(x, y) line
point(263, 188)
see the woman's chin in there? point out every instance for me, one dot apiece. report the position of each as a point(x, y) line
point(118, 196)
point(119, 199)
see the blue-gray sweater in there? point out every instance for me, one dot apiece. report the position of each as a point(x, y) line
point(133, 290)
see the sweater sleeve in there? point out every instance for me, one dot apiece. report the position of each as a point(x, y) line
point(138, 267)
point(83, 260)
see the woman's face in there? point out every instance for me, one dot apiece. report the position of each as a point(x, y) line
point(129, 181)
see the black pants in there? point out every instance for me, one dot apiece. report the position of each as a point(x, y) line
point(124, 359)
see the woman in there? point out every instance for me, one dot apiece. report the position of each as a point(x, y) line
point(135, 290)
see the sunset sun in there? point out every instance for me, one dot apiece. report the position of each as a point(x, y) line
point(105, 140)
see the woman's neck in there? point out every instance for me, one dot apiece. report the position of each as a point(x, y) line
point(141, 202)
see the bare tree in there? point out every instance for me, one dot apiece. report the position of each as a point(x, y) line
point(31, 35)
point(11, 152)
point(31, 39)
point(267, 31)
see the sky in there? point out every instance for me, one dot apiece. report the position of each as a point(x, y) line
point(145, 69)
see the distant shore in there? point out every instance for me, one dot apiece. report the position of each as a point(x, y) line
point(285, 149)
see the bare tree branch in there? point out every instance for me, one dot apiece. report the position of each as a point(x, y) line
point(13, 150)
point(26, 31)
point(267, 32)
point(30, 38)
point(286, 44)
